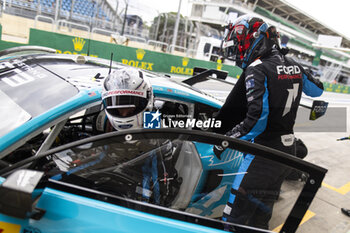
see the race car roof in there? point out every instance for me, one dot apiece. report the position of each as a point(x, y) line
point(42, 88)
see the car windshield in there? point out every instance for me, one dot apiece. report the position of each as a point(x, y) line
point(72, 71)
point(28, 90)
point(179, 171)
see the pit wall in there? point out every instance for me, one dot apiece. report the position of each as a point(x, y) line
point(137, 57)
point(7, 44)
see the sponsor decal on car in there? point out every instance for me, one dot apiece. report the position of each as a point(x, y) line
point(23, 73)
point(6, 227)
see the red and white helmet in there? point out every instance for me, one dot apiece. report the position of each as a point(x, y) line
point(247, 39)
point(126, 94)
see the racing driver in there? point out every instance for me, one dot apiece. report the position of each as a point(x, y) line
point(127, 94)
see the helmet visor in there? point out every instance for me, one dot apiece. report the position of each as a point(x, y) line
point(124, 106)
point(229, 48)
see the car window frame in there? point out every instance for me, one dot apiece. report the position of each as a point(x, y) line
point(54, 122)
point(190, 106)
point(313, 183)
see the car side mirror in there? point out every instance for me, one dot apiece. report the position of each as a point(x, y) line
point(16, 193)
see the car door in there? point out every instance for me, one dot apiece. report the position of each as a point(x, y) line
point(142, 180)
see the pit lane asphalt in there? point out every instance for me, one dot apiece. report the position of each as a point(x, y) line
point(324, 214)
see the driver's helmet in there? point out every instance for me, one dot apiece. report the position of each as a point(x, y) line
point(247, 39)
point(126, 94)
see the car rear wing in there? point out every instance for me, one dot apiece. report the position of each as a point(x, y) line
point(317, 107)
point(26, 49)
point(201, 74)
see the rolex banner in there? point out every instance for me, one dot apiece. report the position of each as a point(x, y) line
point(137, 57)
point(317, 58)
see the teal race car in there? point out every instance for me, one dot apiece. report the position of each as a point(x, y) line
point(61, 173)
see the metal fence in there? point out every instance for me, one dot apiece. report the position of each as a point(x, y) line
point(159, 34)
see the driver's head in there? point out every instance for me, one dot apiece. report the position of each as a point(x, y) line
point(247, 39)
point(126, 94)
